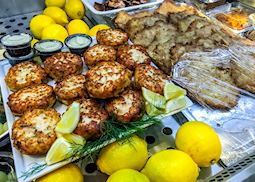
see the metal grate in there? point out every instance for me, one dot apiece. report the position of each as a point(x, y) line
point(228, 172)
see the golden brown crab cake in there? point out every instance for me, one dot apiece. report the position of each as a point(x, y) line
point(150, 77)
point(99, 53)
point(63, 64)
point(34, 97)
point(107, 80)
point(70, 89)
point(34, 132)
point(92, 116)
point(127, 107)
point(112, 37)
point(132, 55)
point(25, 74)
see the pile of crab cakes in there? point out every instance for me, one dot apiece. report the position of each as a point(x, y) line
point(111, 87)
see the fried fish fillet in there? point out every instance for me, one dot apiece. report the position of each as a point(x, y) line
point(208, 81)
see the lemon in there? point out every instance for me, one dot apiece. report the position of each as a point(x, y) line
point(67, 173)
point(38, 23)
point(171, 166)
point(57, 14)
point(172, 91)
point(200, 141)
point(76, 139)
point(176, 104)
point(155, 99)
point(93, 31)
point(127, 175)
point(75, 9)
point(128, 153)
point(54, 31)
point(77, 26)
point(151, 110)
point(70, 119)
point(33, 42)
point(57, 3)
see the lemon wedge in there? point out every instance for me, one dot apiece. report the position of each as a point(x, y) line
point(74, 139)
point(70, 119)
point(60, 150)
point(151, 110)
point(153, 98)
point(176, 104)
point(172, 91)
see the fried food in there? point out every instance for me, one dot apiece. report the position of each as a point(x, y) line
point(34, 97)
point(208, 81)
point(127, 107)
point(34, 132)
point(70, 89)
point(92, 116)
point(99, 53)
point(25, 74)
point(132, 55)
point(151, 78)
point(63, 64)
point(112, 37)
point(115, 4)
point(107, 79)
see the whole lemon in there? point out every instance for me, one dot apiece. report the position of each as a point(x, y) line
point(93, 31)
point(68, 173)
point(127, 175)
point(56, 3)
point(57, 14)
point(171, 166)
point(75, 9)
point(200, 141)
point(54, 31)
point(77, 26)
point(38, 23)
point(129, 153)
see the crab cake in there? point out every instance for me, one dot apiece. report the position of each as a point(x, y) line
point(92, 115)
point(112, 37)
point(25, 74)
point(132, 55)
point(99, 53)
point(150, 77)
point(33, 133)
point(70, 89)
point(127, 107)
point(107, 79)
point(34, 97)
point(63, 64)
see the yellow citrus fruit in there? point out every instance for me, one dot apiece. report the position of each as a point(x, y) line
point(56, 3)
point(77, 26)
point(171, 166)
point(57, 14)
point(128, 153)
point(33, 42)
point(127, 175)
point(38, 23)
point(200, 141)
point(54, 31)
point(93, 31)
point(68, 173)
point(75, 9)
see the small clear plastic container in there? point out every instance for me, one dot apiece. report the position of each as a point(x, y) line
point(78, 43)
point(16, 60)
point(17, 45)
point(46, 48)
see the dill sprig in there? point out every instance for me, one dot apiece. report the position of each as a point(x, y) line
point(36, 168)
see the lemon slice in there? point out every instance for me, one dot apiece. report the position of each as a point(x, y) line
point(60, 150)
point(75, 139)
point(176, 104)
point(153, 98)
point(172, 91)
point(70, 119)
point(151, 110)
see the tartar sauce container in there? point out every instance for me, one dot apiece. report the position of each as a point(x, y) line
point(78, 43)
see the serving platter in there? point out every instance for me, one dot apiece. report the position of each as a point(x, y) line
point(31, 167)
